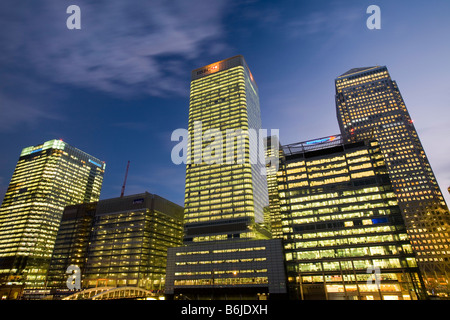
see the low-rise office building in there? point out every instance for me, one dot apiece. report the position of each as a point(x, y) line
point(128, 238)
point(227, 270)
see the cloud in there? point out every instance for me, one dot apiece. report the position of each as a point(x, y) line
point(336, 20)
point(123, 47)
point(24, 101)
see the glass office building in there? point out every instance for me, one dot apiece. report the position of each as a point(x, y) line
point(227, 252)
point(71, 245)
point(369, 105)
point(341, 222)
point(47, 178)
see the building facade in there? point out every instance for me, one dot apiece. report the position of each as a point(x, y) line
point(343, 232)
point(129, 241)
point(228, 270)
point(119, 242)
point(47, 178)
point(369, 105)
point(224, 198)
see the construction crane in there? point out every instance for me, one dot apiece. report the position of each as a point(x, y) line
point(125, 181)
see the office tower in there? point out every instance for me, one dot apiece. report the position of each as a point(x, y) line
point(341, 222)
point(227, 252)
point(119, 242)
point(223, 200)
point(129, 241)
point(47, 178)
point(369, 104)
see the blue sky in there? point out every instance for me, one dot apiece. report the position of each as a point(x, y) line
point(118, 87)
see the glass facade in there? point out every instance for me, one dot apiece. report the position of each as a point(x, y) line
point(227, 270)
point(340, 220)
point(369, 104)
point(72, 243)
point(223, 199)
point(47, 178)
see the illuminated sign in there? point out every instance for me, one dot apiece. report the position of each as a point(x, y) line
point(37, 150)
point(95, 163)
point(212, 69)
point(329, 139)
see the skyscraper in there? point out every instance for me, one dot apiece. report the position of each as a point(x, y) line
point(47, 178)
point(224, 198)
point(341, 221)
point(228, 251)
point(369, 105)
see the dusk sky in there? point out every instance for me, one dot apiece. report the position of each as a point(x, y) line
point(118, 87)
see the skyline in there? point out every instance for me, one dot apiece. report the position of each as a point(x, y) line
point(109, 92)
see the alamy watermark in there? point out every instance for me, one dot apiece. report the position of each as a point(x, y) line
point(215, 146)
point(74, 20)
point(375, 275)
point(74, 280)
point(374, 21)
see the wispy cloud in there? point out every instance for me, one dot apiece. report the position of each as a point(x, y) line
point(123, 46)
point(25, 101)
point(335, 20)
